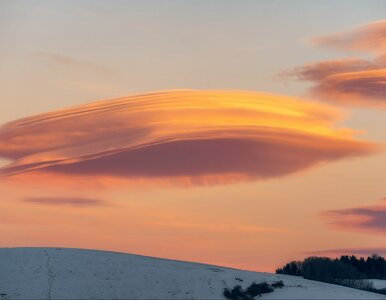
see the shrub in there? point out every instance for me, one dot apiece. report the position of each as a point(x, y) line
point(278, 284)
point(255, 289)
point(237, 293)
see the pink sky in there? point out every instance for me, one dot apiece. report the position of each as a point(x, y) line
point(248, 173)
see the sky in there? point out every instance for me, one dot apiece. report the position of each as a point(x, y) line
point(243, 134)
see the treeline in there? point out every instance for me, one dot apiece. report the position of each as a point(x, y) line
point(332, 270)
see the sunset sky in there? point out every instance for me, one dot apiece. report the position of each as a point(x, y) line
point(237, 133)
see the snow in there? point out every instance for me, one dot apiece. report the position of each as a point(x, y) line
point(61, 273)
point(378, 283)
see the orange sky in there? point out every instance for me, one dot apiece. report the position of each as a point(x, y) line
point(223, 174)
point(136, 174)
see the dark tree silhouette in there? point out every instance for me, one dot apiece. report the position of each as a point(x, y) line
point(345, 267)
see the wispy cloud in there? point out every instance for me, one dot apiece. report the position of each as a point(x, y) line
point(180, 134)
point(71, 201)
point(350, 81)
point(370, 219)
point(227, 228)
point(370, 37)
point(363, 251)
point(67, 61)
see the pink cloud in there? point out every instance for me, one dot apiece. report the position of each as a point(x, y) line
point(370, 37)
point(71, 201)
point(363, 251)
point(371, 219)
point(350, 81)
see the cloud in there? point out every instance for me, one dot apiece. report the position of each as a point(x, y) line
point(72, 201)
point(321, 70)
point(370, 37)
point(180, 134)
point(220, 228)
point(67, 61)
point(365, 251)
point(350, 81)
point(370, 219)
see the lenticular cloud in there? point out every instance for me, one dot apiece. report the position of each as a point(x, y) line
point(179, 134)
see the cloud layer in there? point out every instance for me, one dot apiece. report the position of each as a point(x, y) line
point(365, 251)
point(367, 218)
point(72, 201)
point(180, 134)
point(351, 81)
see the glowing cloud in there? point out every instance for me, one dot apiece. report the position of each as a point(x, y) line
point(348, 82)
point(370, 37)
point(180, 134)
point(367, 218)
point(351, 81)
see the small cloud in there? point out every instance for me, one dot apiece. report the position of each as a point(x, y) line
point(70, 201)
point(365, 251)
point(321, 70)
point(370, 219)
point(350, 81)
point(227, 228)
point(370, 37)
point(67, 61)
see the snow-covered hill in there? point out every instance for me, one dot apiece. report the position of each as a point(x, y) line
point(378, 283)
point(57, 273)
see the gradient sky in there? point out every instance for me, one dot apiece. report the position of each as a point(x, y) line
point(304, 147)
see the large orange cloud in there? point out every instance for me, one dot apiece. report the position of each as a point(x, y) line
point(351, 81)
point(180, 134)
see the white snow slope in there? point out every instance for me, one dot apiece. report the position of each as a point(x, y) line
point(59, 273)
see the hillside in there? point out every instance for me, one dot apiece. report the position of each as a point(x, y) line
point(53, 273)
